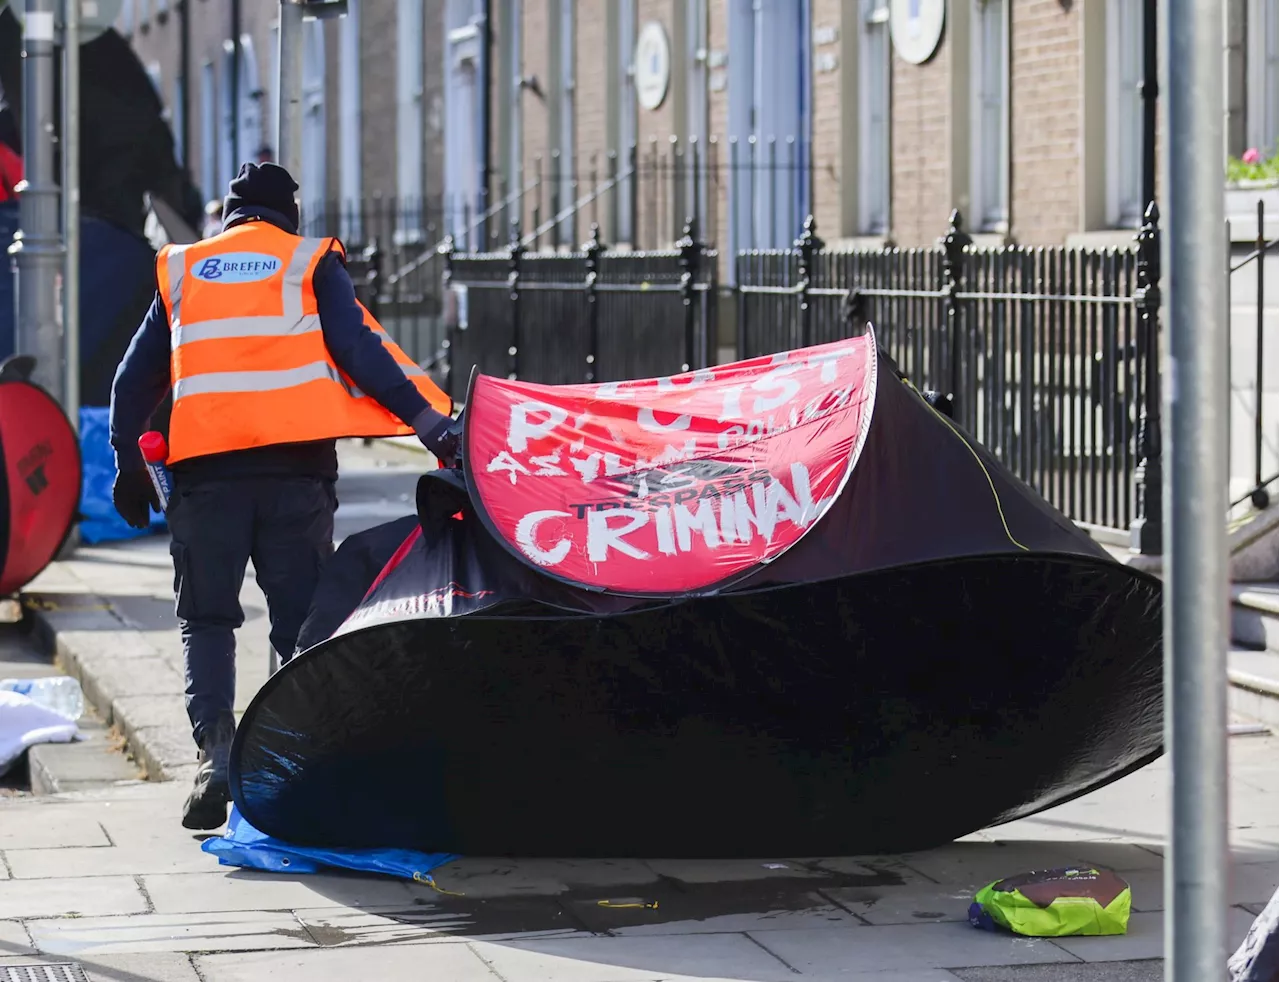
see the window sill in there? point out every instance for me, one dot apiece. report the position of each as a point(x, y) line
point(984, 241)
point(860, 243)
point(1118, 238)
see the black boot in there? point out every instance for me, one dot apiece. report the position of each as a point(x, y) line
point(206, 806)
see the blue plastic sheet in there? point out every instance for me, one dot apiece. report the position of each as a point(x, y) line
point(243, 845)
point(100, 522)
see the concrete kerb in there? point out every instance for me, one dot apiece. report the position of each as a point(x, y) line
point(122, 689)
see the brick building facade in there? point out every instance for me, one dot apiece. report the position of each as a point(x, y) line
point(373, 124)
point(1025, 115)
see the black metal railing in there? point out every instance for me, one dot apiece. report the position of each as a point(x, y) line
point(591, 315)
point(740, 193)
point(383, 235)
point(1263, 457)
point(1047, 355)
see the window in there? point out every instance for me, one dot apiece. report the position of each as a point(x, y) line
point(464, 119)
point(873, 109)
point(349, 122)
point(209, 132)
point(562, 138)
point(249, 119)
point(769, 116)
point(989, 75)
point(1124, 113)
point(696, 55)
point(311, 183)
point(273, 103)
point(227, 163)
point(179, 118)
point(624, 199)
point(409, 135)
point(1264, 82)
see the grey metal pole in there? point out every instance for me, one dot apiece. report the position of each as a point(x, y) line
point(289, 88)
point(36, 249)
point(1195, 500)
point(71, 205)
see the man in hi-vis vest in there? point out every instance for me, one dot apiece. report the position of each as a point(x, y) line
point(271, 359)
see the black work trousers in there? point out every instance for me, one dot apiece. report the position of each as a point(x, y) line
point(285, 525)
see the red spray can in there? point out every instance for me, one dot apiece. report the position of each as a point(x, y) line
point(155, 451)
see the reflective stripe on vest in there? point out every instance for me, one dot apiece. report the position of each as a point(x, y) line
point(249, 363)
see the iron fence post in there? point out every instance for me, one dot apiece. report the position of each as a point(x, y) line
point(1146, 531)
point(593, 249)
point(689, 248)
point(954, 244)
point(808, 246)
point(373, 275)
point(513, 284)
point(451, 321)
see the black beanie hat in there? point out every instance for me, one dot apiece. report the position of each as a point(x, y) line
point(264, 185)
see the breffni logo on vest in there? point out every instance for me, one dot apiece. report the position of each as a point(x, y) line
point(237, 267)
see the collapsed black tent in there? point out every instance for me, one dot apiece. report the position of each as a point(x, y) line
point(39, 476)
point(782, 607)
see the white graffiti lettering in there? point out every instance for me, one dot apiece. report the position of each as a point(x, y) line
point(547, 466)
point(601, 536)
point(776, 379)
point(526, 538)
point(704, 520)
point(648, 421)
point(505, 462)
point(523, 428)
point(757, 511)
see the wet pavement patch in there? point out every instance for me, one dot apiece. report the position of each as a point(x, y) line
point(600, 910)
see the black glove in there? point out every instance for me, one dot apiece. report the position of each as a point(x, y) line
point(134, 496)
point(439, 434)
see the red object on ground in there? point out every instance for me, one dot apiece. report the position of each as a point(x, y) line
point(154, 448)
point(39, 480)
point(10, 173)
point(669, 486)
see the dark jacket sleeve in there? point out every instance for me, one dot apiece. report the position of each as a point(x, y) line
point(356, 349)
point(140, 385)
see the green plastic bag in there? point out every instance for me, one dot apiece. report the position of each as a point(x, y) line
point(1056, 903)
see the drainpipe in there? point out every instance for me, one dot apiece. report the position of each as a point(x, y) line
point(184, 67)
point(236, 149)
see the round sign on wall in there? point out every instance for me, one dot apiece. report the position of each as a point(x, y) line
point(652, 65)
point(916, 28)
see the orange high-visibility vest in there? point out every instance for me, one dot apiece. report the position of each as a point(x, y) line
point(248, 360)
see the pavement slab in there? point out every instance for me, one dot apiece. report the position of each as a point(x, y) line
point(1145, 938)
point(134, 933)
point(116, 861)
point(15, 940)
point(511, 919)
point(121, 968)
point(232, 890)
point(1133, 971)
point(438, 963)
point(716, 956)
point(73, 897)
point(906, 946)
point(41, 828)
point(914, 904)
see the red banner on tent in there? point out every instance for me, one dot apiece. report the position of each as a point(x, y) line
point(671, 485)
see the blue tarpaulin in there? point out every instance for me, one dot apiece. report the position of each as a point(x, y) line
point(100, 522)
point(243, 845)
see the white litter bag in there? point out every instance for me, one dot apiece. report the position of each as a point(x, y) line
point(23, 724)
